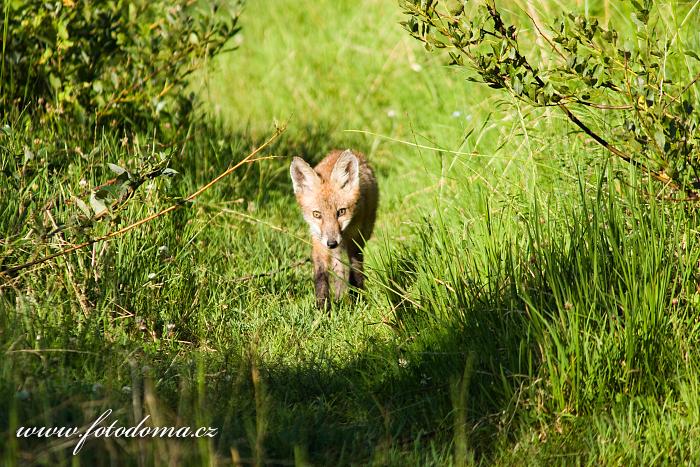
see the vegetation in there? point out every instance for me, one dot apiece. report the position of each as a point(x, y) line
point(530, 298)
point(117, 63)
point(637, 72)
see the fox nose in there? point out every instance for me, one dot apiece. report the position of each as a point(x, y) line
point(332, 243)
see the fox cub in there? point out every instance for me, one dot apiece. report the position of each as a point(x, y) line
point(338, 199)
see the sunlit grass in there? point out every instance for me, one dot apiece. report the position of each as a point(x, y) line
point(524, 305)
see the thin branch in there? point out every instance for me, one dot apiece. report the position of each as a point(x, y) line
point(543, 36)
point(500, 27)
point(626, 157)
point(79, 292)
point(685, 89)
point(250, 158)
point(295, 264)
point(139, 83)
point(604, 106)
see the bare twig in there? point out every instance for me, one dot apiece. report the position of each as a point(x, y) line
point(626, 157)
point(543, 36)
point(683, 91)
point(79, 292)
point(295, 264)
point(255, 220)
point(604, 106)
point(123, 94)
point(246, 160)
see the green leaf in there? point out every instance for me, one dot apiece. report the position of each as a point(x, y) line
point(98, 206)
point(690, 53)
point(82, 206)
point(55, 81)
point(115, 168)
point(636, 20)
point(109, 192)
point(660, 138)
point(517, 86)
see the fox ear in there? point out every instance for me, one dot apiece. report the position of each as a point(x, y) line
point(303, 176)
point(345, 172)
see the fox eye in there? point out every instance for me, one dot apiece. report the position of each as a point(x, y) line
point(341, 212)
point(317, 214)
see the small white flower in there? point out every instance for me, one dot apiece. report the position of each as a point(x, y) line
point(403, 363)
point(391, 113)
point(456, 114)
point(416, 67)
point(126, 389)
point(82, 183)
point(151, 276)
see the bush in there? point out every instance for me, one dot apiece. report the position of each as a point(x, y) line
point(109, 61)
point(641, 84)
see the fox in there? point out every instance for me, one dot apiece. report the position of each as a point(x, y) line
point(338, 199)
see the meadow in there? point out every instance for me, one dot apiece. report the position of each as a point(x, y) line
point(528, 299)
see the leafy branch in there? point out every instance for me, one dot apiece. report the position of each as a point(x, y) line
point(630, 78)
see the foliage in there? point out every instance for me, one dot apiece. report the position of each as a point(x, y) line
point(586, 65)
point(514, 314)
point(121, 62)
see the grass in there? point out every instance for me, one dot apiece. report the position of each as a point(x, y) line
point(524, 305)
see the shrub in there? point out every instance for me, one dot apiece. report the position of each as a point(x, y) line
point(641, 83)
point(109, 61)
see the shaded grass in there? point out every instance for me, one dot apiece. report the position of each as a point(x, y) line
point(521, 307)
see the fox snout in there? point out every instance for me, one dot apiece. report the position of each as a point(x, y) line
point(331, 233)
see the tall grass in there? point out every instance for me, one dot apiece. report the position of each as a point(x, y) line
point(521, 308)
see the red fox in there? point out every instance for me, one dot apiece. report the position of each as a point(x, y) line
point(338, 199)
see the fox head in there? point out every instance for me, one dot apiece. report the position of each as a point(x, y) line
point(327, 201)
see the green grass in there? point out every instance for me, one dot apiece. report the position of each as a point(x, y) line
point(524, 305)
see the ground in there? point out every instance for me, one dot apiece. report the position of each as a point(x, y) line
point(519, 310)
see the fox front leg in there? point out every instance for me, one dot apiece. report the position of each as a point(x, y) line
point(357, 276)
point(340, 274)
point(323, 301)
point(321, 259)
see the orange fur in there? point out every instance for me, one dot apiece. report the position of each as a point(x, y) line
point(338, 199)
